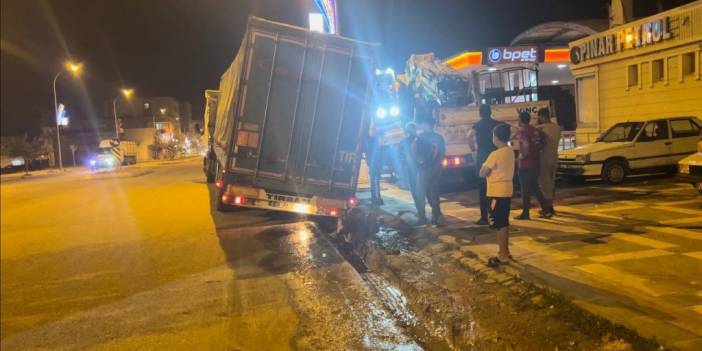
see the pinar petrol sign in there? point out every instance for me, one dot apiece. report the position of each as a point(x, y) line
point(512, 54)
point(626, 38)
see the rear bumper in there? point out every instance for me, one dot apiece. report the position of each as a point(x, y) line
point(248, 197)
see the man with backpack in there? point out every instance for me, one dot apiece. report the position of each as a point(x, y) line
point(429, 150)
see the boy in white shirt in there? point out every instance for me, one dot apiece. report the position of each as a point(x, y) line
point(499, 171)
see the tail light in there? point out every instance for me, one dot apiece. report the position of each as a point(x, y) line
point(239, 200)
point(456, 161)
point(225, 199)
point(353, 202)
point(445, 162)
point(219, 183)
point(333, 212)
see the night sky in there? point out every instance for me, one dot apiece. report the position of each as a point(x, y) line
point(180, 47)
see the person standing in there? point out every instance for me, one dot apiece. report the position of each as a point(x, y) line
point(480, 139)
point(374, 158)
point(429, 149)
point(498, 170)
point(530, 143)
point(409, 169)
point(548, 161)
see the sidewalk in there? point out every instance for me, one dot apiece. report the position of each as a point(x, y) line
point(630, 254)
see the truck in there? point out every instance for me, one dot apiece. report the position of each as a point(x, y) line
point(113, 153)
point(452, 98)
point(290, 121)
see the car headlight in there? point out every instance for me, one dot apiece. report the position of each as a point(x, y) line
point(683, 168)
point(394, 111)
point(582, 158)
point(381, 112)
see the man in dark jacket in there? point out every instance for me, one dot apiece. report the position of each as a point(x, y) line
point(429, 150)
point(480, 139)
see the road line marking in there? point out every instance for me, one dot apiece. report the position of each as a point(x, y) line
point(615, 209)
point(618, 278)
point(545, 250)
point(549, 226)
point(639, 240)
point(688, 234)
point(685, 202)
point(584, 212)
point(696, 254)
point(679, 210)
point(630, 255)
point(682, 221)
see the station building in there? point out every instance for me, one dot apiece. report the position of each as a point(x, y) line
point(646, 68)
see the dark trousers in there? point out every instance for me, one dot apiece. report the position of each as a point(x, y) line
point(529, 183)
point(427, 189)
point(485, 209)
point(484, 199)
point(375, 169)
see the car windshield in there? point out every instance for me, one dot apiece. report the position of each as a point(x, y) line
point(621, 132)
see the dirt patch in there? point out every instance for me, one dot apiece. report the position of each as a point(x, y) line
point(470, 310)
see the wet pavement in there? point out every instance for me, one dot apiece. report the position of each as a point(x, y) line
point(627, 253)
point(145, 262)
point(150, 265)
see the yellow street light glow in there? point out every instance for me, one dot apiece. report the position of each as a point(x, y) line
point(163, 111)
point(127, 93)
point(74, 68)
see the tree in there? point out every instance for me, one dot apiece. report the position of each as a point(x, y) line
point(22, 147)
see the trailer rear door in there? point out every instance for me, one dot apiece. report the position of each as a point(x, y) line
point(301, 114)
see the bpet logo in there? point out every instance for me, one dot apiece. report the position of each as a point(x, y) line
point(513, 54)
point(645, 34)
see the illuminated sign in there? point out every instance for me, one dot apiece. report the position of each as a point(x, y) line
point(512, 54)
point(61, 116)
point(316, 22)
point(466, 59)
point(633, 37)
point(329, 16)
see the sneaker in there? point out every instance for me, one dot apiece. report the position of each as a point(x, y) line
point(482, 221)
point(545, 214)
point(422, 222)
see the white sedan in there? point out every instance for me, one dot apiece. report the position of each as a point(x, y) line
point(633, 147)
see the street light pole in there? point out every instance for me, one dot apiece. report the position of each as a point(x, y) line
point(114, 112)
point(127, 93)
point(58, 134)
point(75, 70)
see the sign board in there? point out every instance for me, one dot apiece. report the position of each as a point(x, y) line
point(512, 54)
point(627, 38)
point(61, 116)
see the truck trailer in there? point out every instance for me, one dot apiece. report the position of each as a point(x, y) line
point(291, 117)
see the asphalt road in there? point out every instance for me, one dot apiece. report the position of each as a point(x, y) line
point(142, 261)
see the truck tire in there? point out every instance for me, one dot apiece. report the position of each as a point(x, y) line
point(614, 171)
point(209, 174)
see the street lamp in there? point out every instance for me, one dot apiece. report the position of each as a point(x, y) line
point(127, 93)
point(75, 69)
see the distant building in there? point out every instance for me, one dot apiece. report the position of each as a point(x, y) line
point(168, 115)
